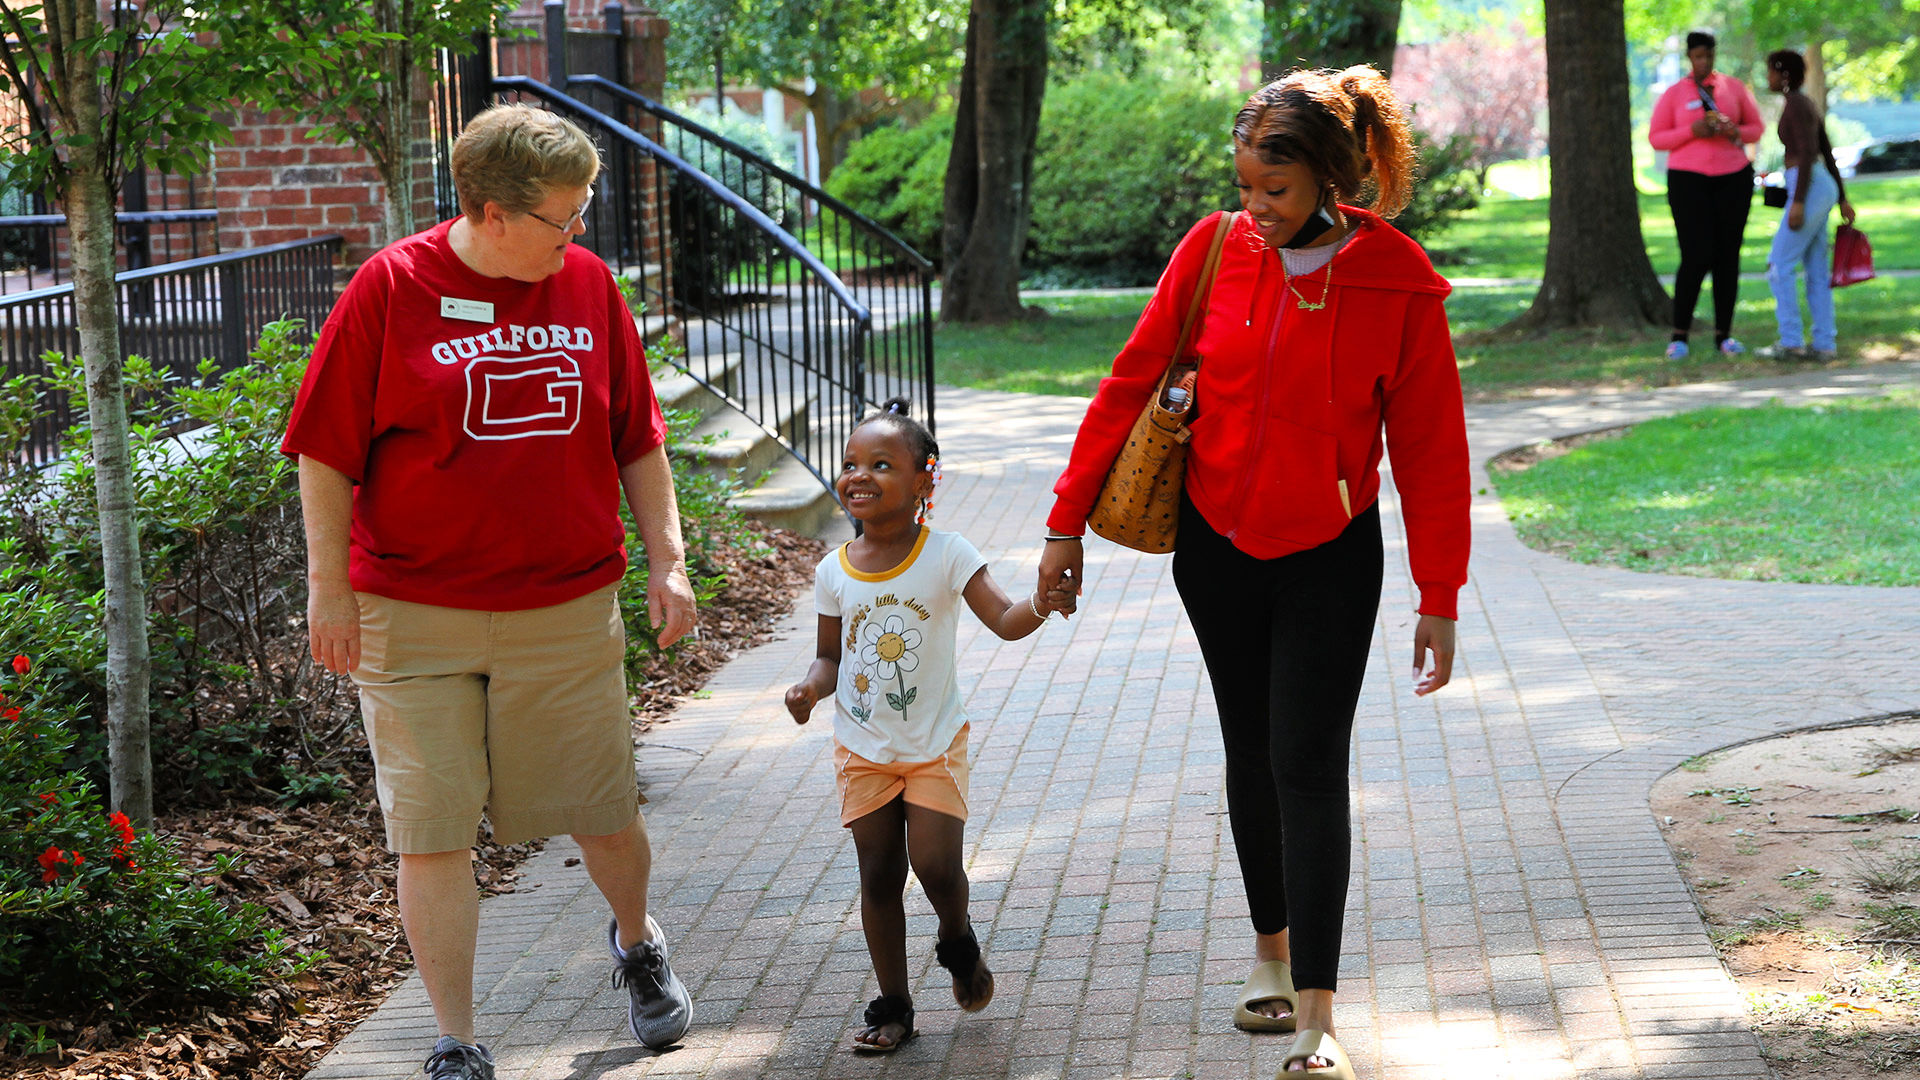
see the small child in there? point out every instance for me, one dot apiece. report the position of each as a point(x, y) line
point(888, 600)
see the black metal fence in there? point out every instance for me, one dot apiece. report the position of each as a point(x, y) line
point(779, 333)
point(174, 315)
point(881, 270)
point(34, 247)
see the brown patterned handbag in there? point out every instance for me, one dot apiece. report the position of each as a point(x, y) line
point(1139, 503)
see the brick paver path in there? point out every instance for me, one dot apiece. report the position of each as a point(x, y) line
point(1514, 911)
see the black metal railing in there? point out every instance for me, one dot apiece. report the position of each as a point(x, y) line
point(766, 325)
point(883, 272)
point(34, 248)
point(174, 315)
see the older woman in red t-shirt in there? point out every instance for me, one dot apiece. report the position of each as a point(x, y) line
point(476, 404)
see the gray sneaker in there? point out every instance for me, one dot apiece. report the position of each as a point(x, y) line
point(455, 1060)
point(659, 1010)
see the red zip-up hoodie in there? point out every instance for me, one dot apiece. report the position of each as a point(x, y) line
point(1290, 403)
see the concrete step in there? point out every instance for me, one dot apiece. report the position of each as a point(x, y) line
point(790, 498)
point(727, 441)
point(678, 390)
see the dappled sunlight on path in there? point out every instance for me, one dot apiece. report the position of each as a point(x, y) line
point(1514, 912)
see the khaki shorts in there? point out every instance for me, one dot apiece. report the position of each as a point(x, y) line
point(939, 785)
point(520, 714)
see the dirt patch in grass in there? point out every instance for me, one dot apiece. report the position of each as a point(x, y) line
point(326, 880)
point(1803, 852)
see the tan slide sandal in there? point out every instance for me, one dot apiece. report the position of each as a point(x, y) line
point(1271, 981)
point(1314, 1043)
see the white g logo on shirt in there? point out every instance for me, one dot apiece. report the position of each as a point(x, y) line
point(520, 397)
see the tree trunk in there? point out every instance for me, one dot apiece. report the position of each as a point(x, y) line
point(989, 190)
point(396, 163)
point(1597, 271)
point(830, 109)
point(89, 207)
point(1816, 87)
point(1330, 34)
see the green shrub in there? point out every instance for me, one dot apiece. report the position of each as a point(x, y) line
point(96, 915)
point(1446, 186)
point(1123, 169)
point(706, 525)
point(224, 558)
point(897, 176)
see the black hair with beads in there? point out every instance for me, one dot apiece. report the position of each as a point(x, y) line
point(897, 413)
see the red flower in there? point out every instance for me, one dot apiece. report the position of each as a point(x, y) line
point(22, 665)
point(11, 712)
point(52, 859)
point(48, 796)
point(122, 825)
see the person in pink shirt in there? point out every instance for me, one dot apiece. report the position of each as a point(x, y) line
point(1704, 122)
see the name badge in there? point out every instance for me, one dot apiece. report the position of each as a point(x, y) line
point(1694, 104)
point(470, 310)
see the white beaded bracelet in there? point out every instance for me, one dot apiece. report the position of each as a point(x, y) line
point(1032, 603)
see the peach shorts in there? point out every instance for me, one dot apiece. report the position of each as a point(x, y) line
point(520, 714)
point(939, 785)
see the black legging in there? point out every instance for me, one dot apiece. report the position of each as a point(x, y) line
point(1286, 642)
point(1709, 219)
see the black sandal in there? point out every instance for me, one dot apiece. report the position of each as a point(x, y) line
point(881, 1011)
point(961, 957)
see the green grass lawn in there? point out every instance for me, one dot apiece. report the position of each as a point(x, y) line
point(1826, 493)
point(1069, 352)
point(1878, 319)
point(1507, 238)
point(1066, 353)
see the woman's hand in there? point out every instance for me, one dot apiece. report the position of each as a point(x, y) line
point(1704, 128)
point(1846, 212)
point(670, 601)
point(1060, 574)
point(333, 625)
point(1796, 216)
point(1434, 634)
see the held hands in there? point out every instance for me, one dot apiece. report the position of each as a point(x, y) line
point(1434, 634)
point(670, 601)
point(1058, 588)
point(333, 625)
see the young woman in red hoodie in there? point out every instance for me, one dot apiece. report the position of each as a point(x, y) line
point(1324, 326)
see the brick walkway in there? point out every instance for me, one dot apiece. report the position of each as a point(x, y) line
point(1514, 911)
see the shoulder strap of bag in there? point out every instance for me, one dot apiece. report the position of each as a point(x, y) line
point(1202, 289)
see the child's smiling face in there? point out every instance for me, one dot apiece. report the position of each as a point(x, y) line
point(878, 476)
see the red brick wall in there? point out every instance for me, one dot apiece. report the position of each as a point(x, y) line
point(272, 184)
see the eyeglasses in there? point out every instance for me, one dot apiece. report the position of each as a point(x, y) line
point(579, 216)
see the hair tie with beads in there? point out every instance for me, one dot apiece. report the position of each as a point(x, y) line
point(926, 505)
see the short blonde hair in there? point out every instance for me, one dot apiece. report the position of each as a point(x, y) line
point(515, 156)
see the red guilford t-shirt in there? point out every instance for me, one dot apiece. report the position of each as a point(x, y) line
point(485, 443)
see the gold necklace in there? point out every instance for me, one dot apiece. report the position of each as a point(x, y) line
point(1326, 285)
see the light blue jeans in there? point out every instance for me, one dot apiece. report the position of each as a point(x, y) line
point(1805, 247)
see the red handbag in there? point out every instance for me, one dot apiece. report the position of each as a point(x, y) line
point(1852, 257)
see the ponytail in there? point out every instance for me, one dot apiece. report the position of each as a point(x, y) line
point(1382, 137)
point(1345, 126)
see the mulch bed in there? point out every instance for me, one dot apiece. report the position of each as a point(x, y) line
point(326, 880)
